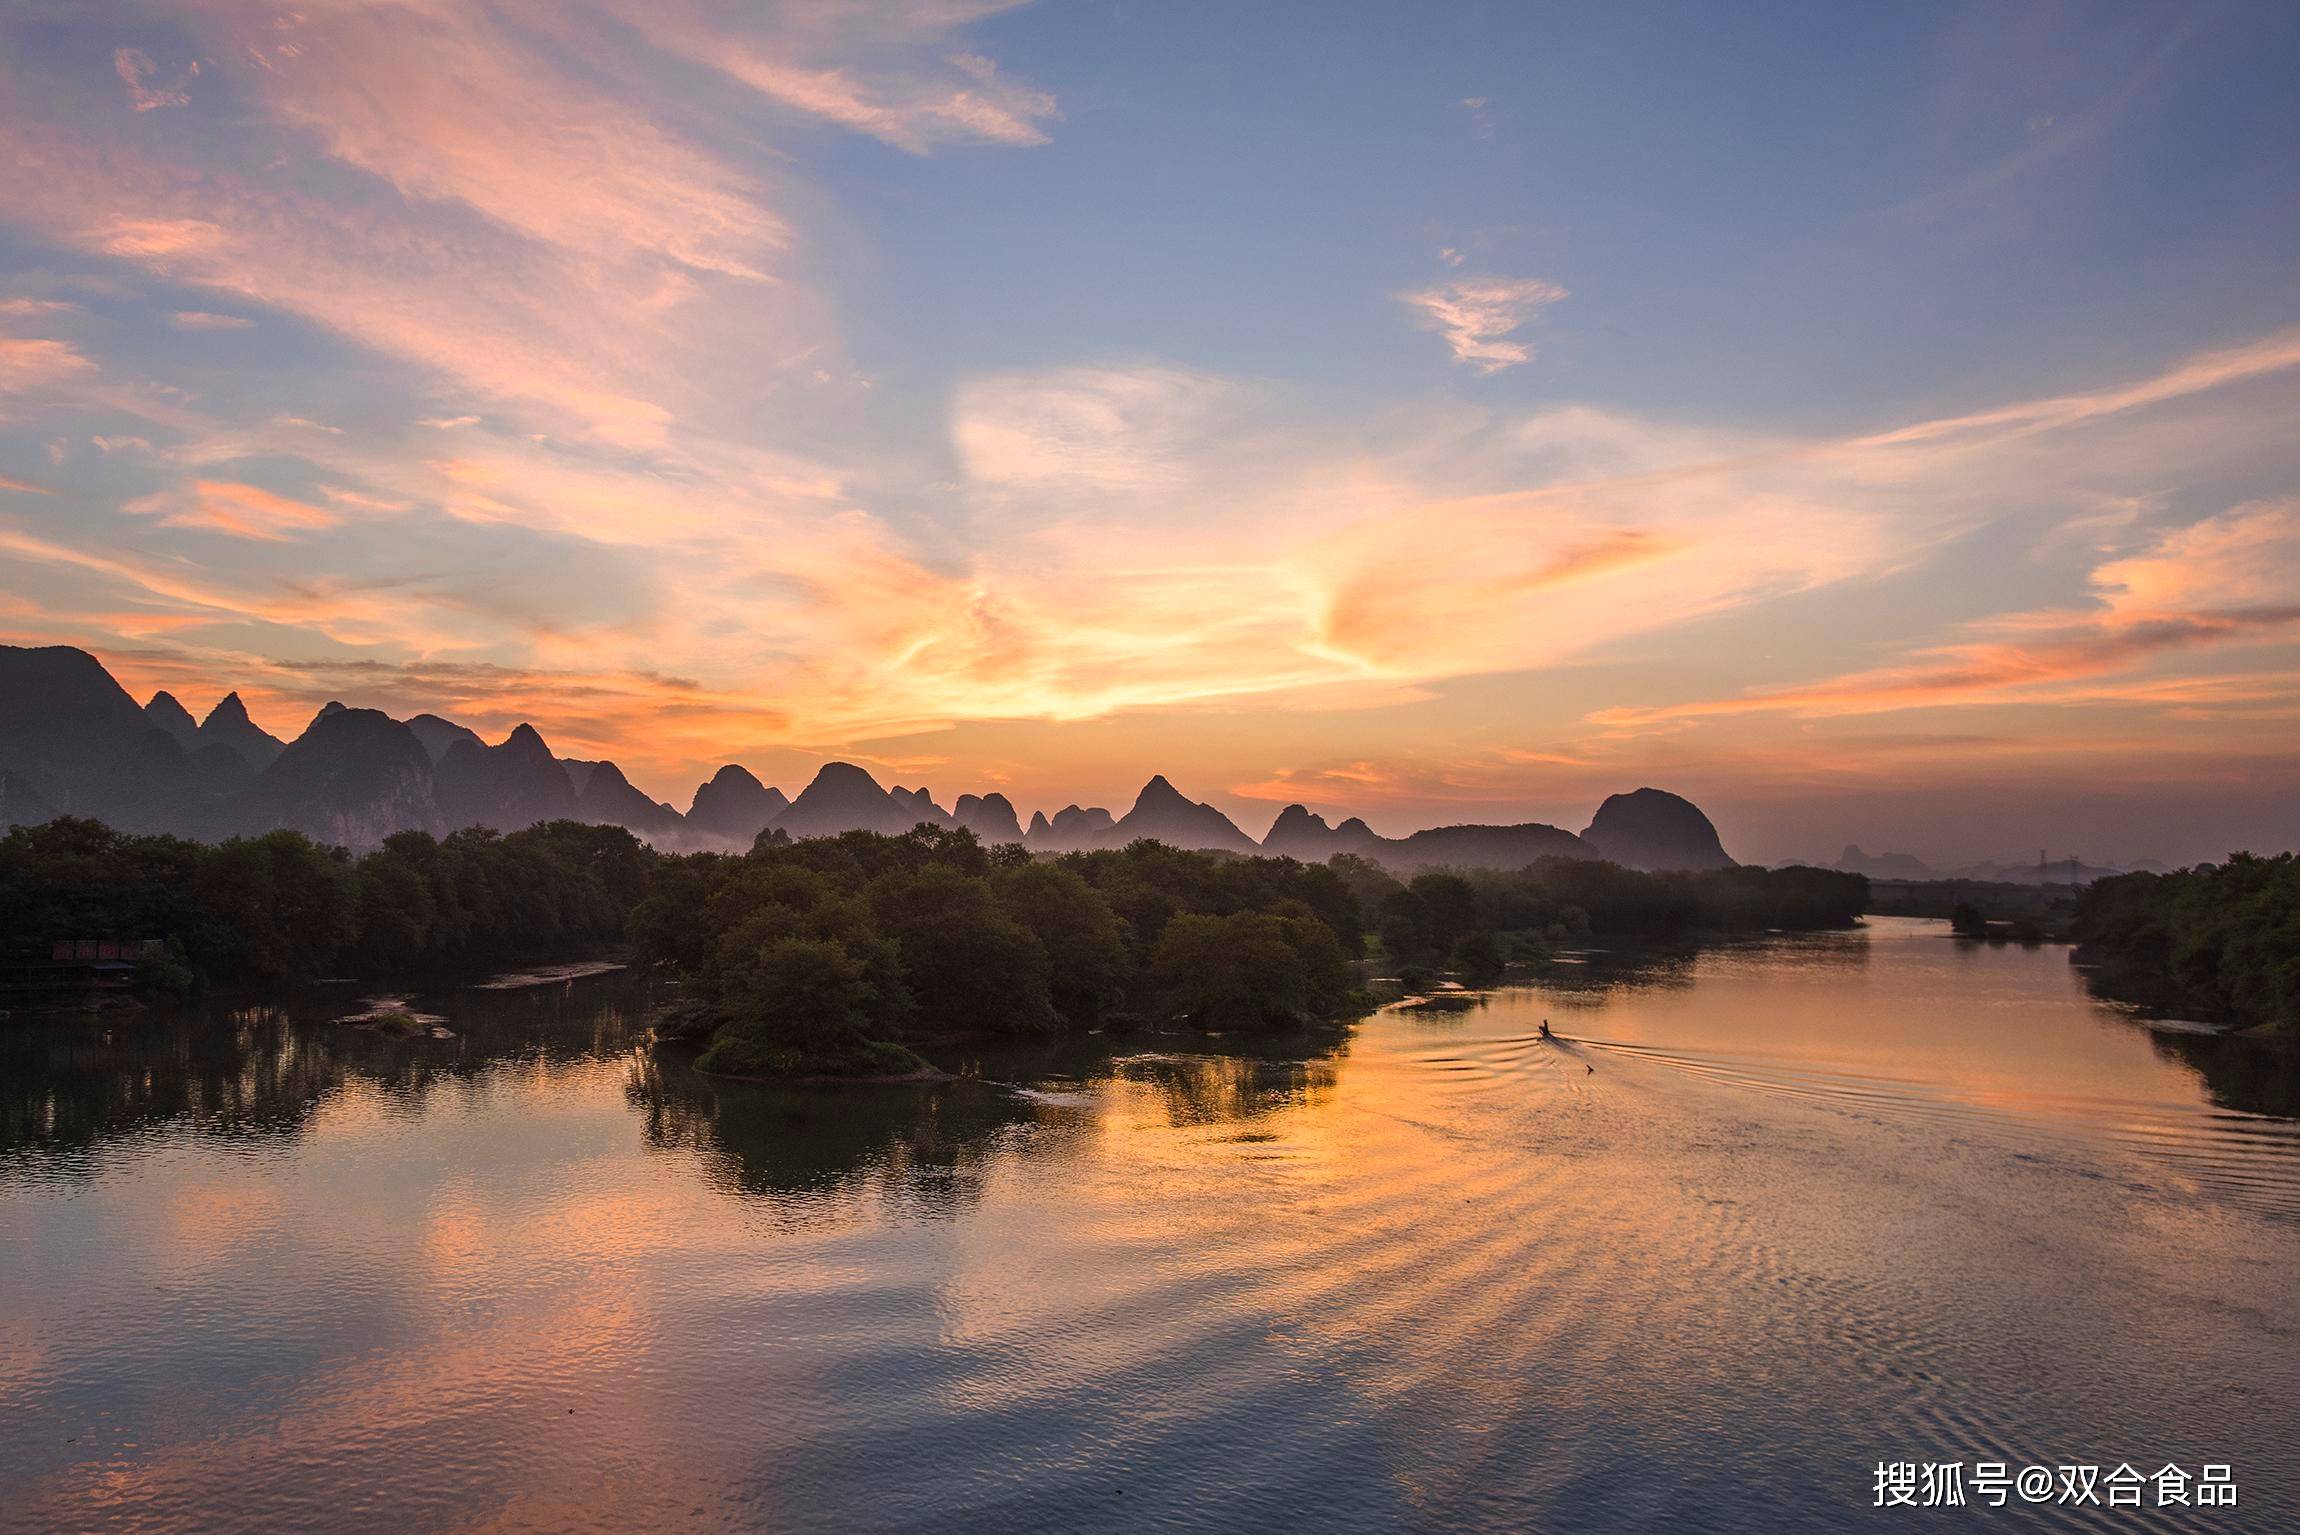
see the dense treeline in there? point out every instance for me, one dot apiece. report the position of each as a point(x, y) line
point(819, 954)
point(281, 907)
point(2219, 939)
point(1479, 920)
point(824, 954)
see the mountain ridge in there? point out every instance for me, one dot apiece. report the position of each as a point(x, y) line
point(73, 742)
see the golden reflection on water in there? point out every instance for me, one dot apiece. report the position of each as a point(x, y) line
point(1758, 1218)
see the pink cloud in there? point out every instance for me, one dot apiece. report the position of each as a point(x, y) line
point(1477, 315)
point(136, 71)
point(238, 511)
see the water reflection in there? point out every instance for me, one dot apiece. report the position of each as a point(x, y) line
point(815, 1147)
point(70, 1084)
point(1758, 1217)
point(1192, 1089)
point(2256, 1076)
point(70, 1087)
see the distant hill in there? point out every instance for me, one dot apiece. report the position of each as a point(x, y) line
point(508, 786)
point(228, 725)
point(163, 710)
point(437, 735)
point(72, 742)
point(1654, 829)
point(1479, 847)
point(1162, 813)
point(1883, 865)
point(1072, 830)
point(990, 817)
point(2064, 871)
point(844, 797)
point(353, 778)
point(735, 805)
point(75, 743)
point(21, 803)
point(2061, 871)
point(610, 799)
point(921, 805)
point(1297, 833)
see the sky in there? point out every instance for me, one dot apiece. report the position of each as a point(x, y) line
point(1879, 424)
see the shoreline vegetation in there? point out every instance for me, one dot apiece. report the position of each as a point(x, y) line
point(2218, 942)
point(847, 956)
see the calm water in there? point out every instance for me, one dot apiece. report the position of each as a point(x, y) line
point(1820, 1203)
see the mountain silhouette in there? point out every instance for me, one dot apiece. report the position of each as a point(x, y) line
point(20, 801)
point(989, 816)
point(1162, 813)
point(845, 798)
point(76, 743)
point(172, 717)
point(437, 735)
point(509, 787)
point(228, 725)
point(922, 805)
point(1883, 865)
point(1477, 847)
point(1654, 829)
point(353, 778)
point(73, 742)
point(735, 805)
point(609, 799)
point(1072, 830)
point(1299, 833)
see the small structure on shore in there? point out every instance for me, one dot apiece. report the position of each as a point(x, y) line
point(67, 966)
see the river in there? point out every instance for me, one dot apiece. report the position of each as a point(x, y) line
point(1761, 1217)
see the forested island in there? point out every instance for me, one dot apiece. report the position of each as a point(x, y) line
point(2219, 942)
point(835, 955)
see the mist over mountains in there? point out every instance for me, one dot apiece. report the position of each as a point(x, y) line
point(2045, 871)
point(74, 742)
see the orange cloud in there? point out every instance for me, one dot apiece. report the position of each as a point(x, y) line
point(243, 511)
point(445, 103)
point(33, 363)
point(2225, 580)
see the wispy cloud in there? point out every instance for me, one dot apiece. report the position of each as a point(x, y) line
point(31, 363)
point(911, 88)
point(1478, 315)
point(137, 71)
point(2226, 580)
point(237, 511)
point(555, 280)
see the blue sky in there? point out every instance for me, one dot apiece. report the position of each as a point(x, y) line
point(1873, 421)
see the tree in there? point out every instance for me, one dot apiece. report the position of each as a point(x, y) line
point(1084, 943)
point(1449, 907)
point(975, 968)
point(1479, 958)
point(290, 907)
point(1250, 969)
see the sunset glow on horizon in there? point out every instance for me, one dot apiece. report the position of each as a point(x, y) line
point(1429, 419)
